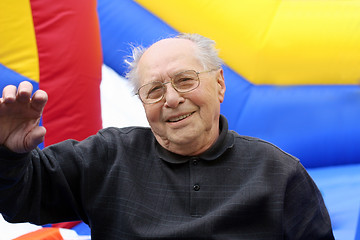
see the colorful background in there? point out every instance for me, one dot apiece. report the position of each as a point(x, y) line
point(292, 70)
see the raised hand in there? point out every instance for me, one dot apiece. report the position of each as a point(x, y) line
point(20, 115)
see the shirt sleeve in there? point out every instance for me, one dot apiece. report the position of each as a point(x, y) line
point(49, 185)
point(306, 216)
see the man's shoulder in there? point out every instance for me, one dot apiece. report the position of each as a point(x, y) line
point(129, 139)
point(252, 140)
point(125, 134)
point(133, 130)
point(259, 146)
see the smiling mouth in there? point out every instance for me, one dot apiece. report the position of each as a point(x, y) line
point(179, 118)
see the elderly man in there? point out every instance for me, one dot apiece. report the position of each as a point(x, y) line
point(186, 177)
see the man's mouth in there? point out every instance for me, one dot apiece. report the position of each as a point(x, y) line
point(179, 118)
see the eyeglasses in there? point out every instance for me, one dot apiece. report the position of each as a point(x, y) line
point(182, 82)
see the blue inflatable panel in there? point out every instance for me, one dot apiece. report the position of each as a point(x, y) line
point(82, 229)
point(357, 235)
point(123, 23)
point(10, 77)
point(317, 124)
point(340, 187)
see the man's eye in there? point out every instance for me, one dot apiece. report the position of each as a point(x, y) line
point(184, 79)
point(184, 83)
point(155, 92)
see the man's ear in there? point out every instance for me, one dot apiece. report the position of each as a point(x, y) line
point(221, 84)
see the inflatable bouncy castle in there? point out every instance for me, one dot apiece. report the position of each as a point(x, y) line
point(292, 71)
point(41, 43)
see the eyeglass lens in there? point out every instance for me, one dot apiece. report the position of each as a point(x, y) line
point(182, 82)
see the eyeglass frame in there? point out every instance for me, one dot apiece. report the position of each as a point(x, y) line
point(172, 84)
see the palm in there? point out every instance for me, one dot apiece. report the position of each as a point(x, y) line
point(19, 119)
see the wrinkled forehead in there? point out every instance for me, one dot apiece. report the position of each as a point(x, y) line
point(170, 45)
point(166, 58)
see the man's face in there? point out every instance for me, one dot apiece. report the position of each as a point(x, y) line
point(184, 123)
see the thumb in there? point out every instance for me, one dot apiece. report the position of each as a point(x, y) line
point(34, 138)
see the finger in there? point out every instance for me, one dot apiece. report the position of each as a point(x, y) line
point(34, 138)
point(24, 92)
point(9, 94)
point(39, 100)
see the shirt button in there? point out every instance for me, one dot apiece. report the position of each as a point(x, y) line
point(196, 187)
point(195, 162)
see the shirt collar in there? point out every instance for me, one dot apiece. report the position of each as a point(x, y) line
point(224, 141)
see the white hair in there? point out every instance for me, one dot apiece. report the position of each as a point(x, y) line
point(206, 53)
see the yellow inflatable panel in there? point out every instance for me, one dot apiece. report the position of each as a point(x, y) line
point(18, 50)
point(289, 42)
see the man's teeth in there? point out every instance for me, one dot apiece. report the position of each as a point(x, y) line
point(179, 118)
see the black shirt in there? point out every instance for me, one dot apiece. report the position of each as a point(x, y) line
point(126, 186)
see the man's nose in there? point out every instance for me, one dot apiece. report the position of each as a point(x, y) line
point(172, 97)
